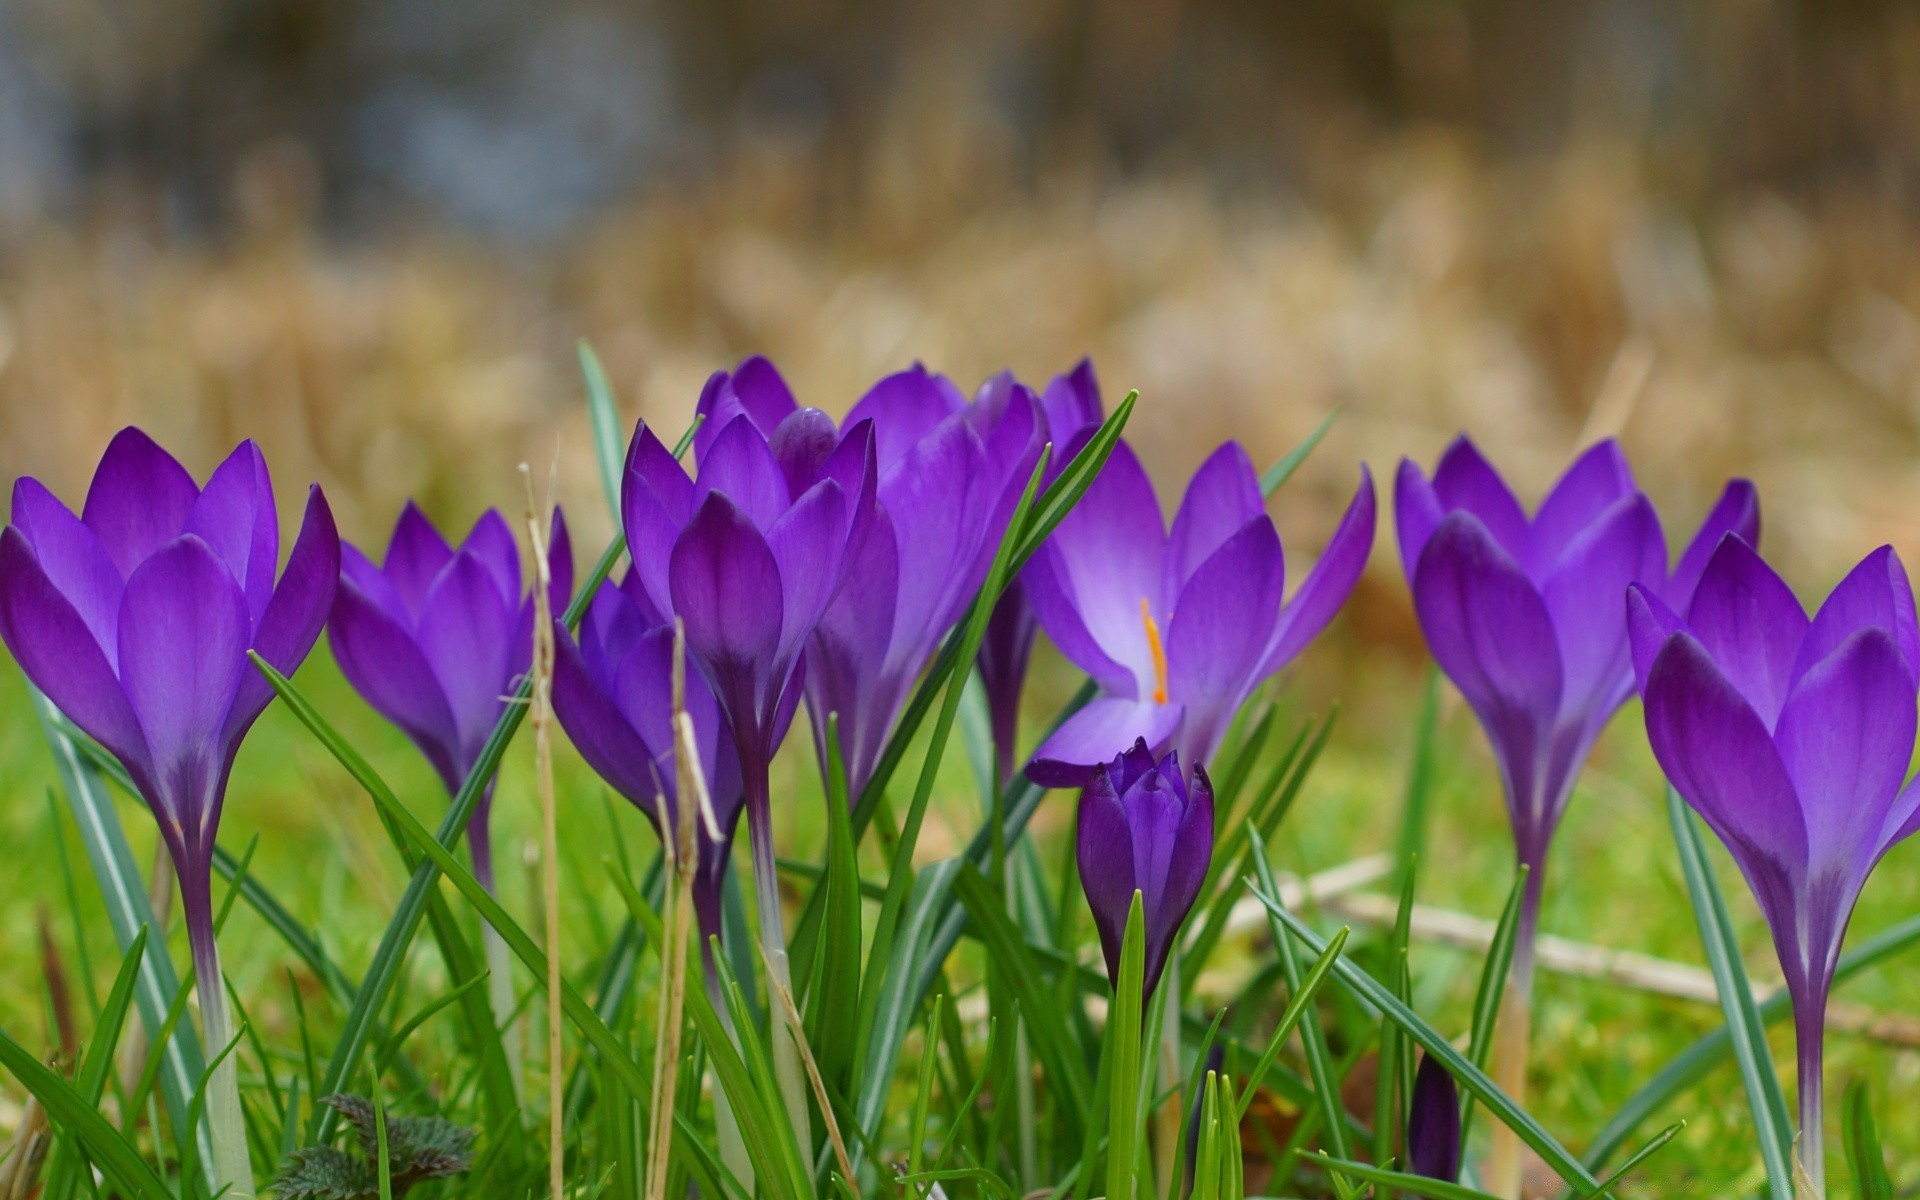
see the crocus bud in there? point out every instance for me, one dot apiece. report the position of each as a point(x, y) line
point(1142, 828)
point(1433, 1124)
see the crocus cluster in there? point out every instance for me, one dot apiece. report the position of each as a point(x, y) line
point(1791, 737)
point(136, 619)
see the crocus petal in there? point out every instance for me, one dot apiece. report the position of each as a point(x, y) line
point(1583, 594)
point(139, 499)
point(59, 654)
point(465, 634)
point(1186, 867)
point(1750, 623)
point(1716, 750)
point(1057, 611)
point(740, 464)
point(491, 543)
point(1072, 403)
point(559, 564)
point(1466, 480)
point(415, 557)
point(1845, 737)
point(939, 499)
point(1105, 556)
point(73, 560)
point(598, 729)
point(1875, 594)
point(296, 613)
point(656, 497)
point(1103, 846)
point(1736, 512)
point(1095, 733)
point(235, 516)
point(1222, 624)
point(382, 662)
point(1417, 512)
point(801, 444)
point(1649, 624)
point(1223, 497)
point(1329, 583)
point(1433, 1123)
point(1486, 625)
point(809, 543)
point(183, 645)
point(904, 408)
point(726, 587)
point(763, 392)
point(1596, 482)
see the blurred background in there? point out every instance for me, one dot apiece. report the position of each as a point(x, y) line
point(369, 232)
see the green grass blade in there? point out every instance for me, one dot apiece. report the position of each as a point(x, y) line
point(1694, 1063)
point(1277, 475)
point(1123, 1051)
point(603, 419)
point(1491, 989)
point(97, 1064)
point(124, 890)
point(107, 1147)
point(837, 990)
point(1326, 1086)
point(1434, 1043)
point(1641, 1155)
point(1418, 1185)
point(1297, 1007)
point(1866, 1162)
point(1772, 1127)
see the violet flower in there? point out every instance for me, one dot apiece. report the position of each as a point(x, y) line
point(1433, 1123)
point(613, 693)
point(436, 639)
point(1143, 828)
point(1069, 405)
point(1523, 615)
point(1791, 738)
point(950, 478)
point(135, 619)
point(1178, 628)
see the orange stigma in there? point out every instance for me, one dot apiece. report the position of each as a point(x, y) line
point(1159, 652)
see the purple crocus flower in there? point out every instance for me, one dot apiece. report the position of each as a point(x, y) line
point(135, 619)
point(1433, 1123)
point(1069, 405)
point(1178, 628)
point(1143, 828)
point(613, 693)
point(1791, 738)
point(1522, 614)
point(437, 637)
point(950, 477)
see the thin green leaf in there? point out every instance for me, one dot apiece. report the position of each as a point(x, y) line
point(604, 420)
point(1297, 1006)
point(1126, 1104)
point(107, 1147)
point(1865, 1160)
point(1419, 1185)
point(1492, 988)
point(1276, 475)
point(1319, 1059)
point(1641, 1155)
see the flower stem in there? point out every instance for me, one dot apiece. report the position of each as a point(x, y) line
point(773, 945)
point(1512, 1043)
point(1811, 1151)
point(226, 1119)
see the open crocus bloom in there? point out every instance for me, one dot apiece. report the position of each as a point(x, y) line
point(1524, 614)
point(1177, 627)
point(436, 639)
point(1143, 828)
point(613, 693)
point(1791, 738)
point(950, 477)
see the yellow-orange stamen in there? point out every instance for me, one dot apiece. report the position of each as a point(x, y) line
point(1159, 652)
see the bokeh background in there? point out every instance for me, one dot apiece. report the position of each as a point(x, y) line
point(369, 233)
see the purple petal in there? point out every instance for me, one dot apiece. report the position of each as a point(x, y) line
point(1103, 847)
point(559, 564)
point(381, 661)
point(763, 393)
point(1466, 480)
point(1433, 1123)
point(1222, 623)
point(802, 444)
point(1095, 734)
point(1597, 481)
point(1185, 872)
point(1649, 624)
point(415, 557)
point(1584, 595)
point(726, 587)
point(598, 729)
point(1106, 559)
point(356, 568)
point(1072, 403)
point(1223, 497)
point(491, 542)
point(466, 635)
point(809, 543)
point(740, 464)
point(1736, 512)
point(656, 498)
point(60, 655)
point(296, 613)
point(904, 408)
point(1055, 609)
point(1845, 737)
point(1486, 625)
point(139, 499)
point(1750, 623)
point(183, 646)
point(940, 501)
point(1417, 512)
point(73, 560)
point(1716, 750)
point(235, 516)
point(1329, 583)
point(1875, 594)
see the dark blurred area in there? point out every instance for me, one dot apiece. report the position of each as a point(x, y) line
point(368, 232)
